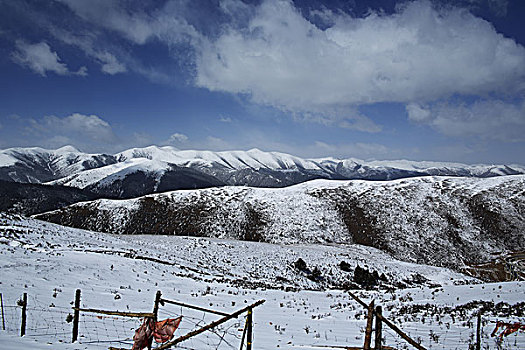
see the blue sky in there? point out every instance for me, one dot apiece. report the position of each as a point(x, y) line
point(423, 80)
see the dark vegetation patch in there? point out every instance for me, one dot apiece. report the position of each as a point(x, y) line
point(489, 308)
point(158, 216)
point(29, 199)
point(367, 278)
point(361, 225)
point(252, 229)
point(142, 183)
point(495, 226)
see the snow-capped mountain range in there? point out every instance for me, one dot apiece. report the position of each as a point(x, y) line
point(141, 171)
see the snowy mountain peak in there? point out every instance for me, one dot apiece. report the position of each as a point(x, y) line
point(252, 168)
point(67, 149)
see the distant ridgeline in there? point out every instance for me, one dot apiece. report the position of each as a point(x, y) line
point(142, 171)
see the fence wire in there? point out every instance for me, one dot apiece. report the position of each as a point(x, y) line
point(47, 320)
point(225, 336)
point(450, 334)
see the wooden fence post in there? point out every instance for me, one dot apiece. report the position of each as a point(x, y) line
point(155, 314)
point(2, 304)
point(249, 333)
point(76, 317)
point(379, 330)
point(24, 315)
point(156, 305)
point(208, 326)
point(389, 324)
point(368, 332)
point(478, 332)
point(244, 333)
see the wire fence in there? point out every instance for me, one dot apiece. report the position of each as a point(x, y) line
point(41, 319)
point(114, 331)
point(450, 333)
point(56, 322)
point(432, 330)
point(225, 336)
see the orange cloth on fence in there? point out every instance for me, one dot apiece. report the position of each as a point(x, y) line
point(143, 334)
point(162, 331)
point(509, 328)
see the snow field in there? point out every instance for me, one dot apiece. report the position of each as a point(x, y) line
point(50, 262)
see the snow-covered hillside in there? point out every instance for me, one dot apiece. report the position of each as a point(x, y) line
point(38, 165)
point(201, 169)
point(440, 221)
point(49, 262)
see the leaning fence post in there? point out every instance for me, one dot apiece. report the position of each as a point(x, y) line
point(379, 330)
point(249, 333)
point(368, 332)
point(244, 333)
point(76, 317)
point(478, 332)
point(2, 304)
point(24, 315)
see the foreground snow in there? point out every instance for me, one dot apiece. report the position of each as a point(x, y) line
point(50, 262)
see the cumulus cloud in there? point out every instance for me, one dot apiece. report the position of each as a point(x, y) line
point(495, 120)
point(177, 138)
point(84, 131)
point(419, 53)
point(276, 56)
point(40, 59)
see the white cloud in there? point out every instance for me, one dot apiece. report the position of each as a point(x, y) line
point(40, 59)
point(111, 15)
point(225, 119)
point(486, 119)
point(137, 26)
point(110, 64)
point(86, 42)
point(85, 131)
point(177, 138)
point(417, 113)
point(419, 53)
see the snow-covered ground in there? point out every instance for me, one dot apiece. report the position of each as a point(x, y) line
point(441, 221)
point(50, 262)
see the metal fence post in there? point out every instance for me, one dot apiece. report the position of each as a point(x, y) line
point(24, 315)
point(76, 316)
point(478, 332)
point(2, 304)
point(379, 329)
point(249, 333)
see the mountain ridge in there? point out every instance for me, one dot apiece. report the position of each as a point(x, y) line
point(70, 167)
point(441, 221)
